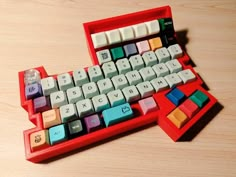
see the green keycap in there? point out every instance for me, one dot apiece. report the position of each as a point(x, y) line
point(199, 98)
point(117, 53)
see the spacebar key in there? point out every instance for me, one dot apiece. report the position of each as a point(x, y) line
point(117, 114)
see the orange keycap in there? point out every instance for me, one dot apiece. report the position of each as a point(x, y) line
point(51, 118)
point(155, 43)
point(178, 118)
point(39, 140)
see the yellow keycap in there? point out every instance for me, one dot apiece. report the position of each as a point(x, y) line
point(39, 140)
point(155, 43)
point(178, 117)
point(51, 118)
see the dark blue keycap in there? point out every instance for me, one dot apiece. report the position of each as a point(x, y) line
point(175, 96)
point(130, 49)
point(41, 104)
point(33, 91)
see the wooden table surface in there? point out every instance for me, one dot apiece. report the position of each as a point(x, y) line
point(50, 33)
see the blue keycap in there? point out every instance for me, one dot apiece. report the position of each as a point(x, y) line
point(130, 49)
point(175, 96)
point(57, 134)
point(117, 114)
point(33, 91)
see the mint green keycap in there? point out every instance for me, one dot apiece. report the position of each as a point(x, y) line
point(117, 53)
point(199, 98)
point(117, 114)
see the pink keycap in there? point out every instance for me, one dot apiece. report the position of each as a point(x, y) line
point(143, 46)
point(148, 105)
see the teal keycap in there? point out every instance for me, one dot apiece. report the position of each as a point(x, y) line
point(117, 114)
point(57, 134)
point(117, 53)
point(199, 98)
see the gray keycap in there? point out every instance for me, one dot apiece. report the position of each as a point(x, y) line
point(159, 84)
point(105, 86)
point(90, 90)
point(95, 73)
point(116, 97)
point(131, 93)
point(109, 69)
point(68, 112)
point(123, 66)
point(187, 75)
point(175, 51)
point(162, 55)
point(74, 94)
point(58, 99)
point(136, 62)
point(147, 73)
point(149, 58)
point(119, 81)
point(103, 56)
point(84, 107)
point(49, 85)
point(133, 77)
point(174, 66)
point(145, 89)
point(65, 81)
point(173, 80)
point(160, 70)
point(80, 77)
point(100, 102)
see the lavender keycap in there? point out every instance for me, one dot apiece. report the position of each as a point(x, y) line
point(92, 123)
point(41, 104)
point(33, 91)
point(130, 49)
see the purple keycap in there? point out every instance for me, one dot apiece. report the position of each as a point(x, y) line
point(92, 123)
point(130, 49)
point(41, 104)
point(33, 91)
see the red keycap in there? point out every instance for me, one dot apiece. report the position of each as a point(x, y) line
point(189, 108)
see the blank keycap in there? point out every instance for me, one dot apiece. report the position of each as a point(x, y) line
point(31, 76)
point(103, 56)
point(51, 118)
point(41, 104)
point(173, 80)
point(130, 49)
point(145, 89)
point(84, 107)
point(187, 75)
point(189, 108)
point(92, 123)
point(140, 30)
point(127, 33)
point(58, 99)
point(159, 84)
point(143, 46)
point(116, 98)
point(147, 73)
point(175, 51)
point(149, 58)
point(49, 85)
point(199, 98)
point(39, 140)
point(68, 112)
point(99, 40)
point(113, 36)
point(123, 66)
point(161, 70)
point(74, 94)
point(100, 103)
point(176, 96)
point(131, 93)
point(57, 134)
point(80, 77)
point(90, 90)
point(155, 43)
point(162, 55)
point(148, 105)
point(65, 81)
point(174, 66)
point(136, 62)
point(117, 53)
point(33, 91)
point(109, 69)
point(95, 73)
point(117, 114)
point(178, 118)
point(152, 27)
point(119, 81)
point(105, 86)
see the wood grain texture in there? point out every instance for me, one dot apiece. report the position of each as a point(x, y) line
point(50, 33)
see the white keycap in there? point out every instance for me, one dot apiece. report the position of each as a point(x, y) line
point(95, 73)
point(174, 66)
point(123, 66)
point(103, 56)
point(119, 81)
point(99, 40)
point(116, 97)
point(160, 70)
point(187, 75)
point(65, 81)
point(173, 80)
point(127, 33)
point(147, 73)
point(74, 94)
point(175, 51)
point(162, 55)
point(131, 93)
point(58, 99)
point(113, 36)
point(109, 69)
point(153, 27)
point(149, 58)
point(133, 77)
point(68, 112)
point(90, 90)
point(105, 86)
point(84, 107)
point(49, 85)
point(145, 89)
point(100, 103)
point(80, 77)
point(32, 76)
point(136, 62)
point(159, 84)
point(140, 30)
